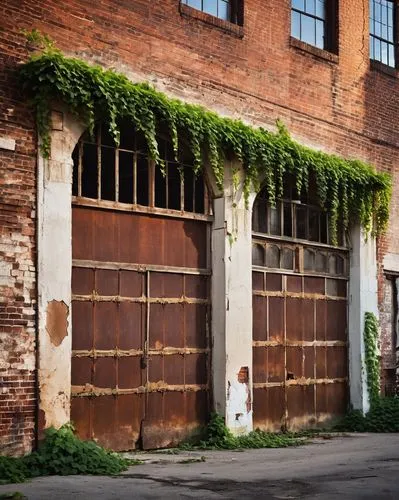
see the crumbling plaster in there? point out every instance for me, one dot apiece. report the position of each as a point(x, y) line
point(54, 271)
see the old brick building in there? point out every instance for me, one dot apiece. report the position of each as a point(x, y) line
point(328, 70)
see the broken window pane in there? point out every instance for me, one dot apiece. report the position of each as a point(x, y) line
point(107, 173)
point(75, 172)
point(89, 171)
point(189, 190)
point(160, 188)
point(199, 195)
point(174, 181)
point(126, 168)
point(142, 180)
point(301, 222)
point(287, 219)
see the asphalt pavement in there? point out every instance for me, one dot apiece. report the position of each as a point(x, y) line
point(362, 466)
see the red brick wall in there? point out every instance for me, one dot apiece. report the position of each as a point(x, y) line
point(17, 257)
point(342, 107)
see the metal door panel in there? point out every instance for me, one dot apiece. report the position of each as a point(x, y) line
point(140, 366)
point(300, 359)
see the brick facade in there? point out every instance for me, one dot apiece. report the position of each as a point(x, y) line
point(339, 104)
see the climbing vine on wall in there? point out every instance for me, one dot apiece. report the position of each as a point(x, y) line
point(348, 189)
point(371, 356)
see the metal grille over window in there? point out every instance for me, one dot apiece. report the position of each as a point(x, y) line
point(308, 19)
point(382, 32)
point(218, 8)
point(127, 178)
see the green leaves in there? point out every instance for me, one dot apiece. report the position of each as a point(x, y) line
point(382, 417)
point(349, 190)
point(218, 436)
point(371, 356)
point(62, 453)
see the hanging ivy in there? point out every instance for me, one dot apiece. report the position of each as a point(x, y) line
point(348, 189)
point(371, 356)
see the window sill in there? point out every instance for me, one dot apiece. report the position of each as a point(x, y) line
point(226, 26)
point(383, 68)
point(314, 51)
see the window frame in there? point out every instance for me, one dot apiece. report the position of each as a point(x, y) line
point(331, 22)
point(236, 8)
point(148, 204)
point(395, 42)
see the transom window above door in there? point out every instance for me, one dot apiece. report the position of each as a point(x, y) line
point(125, 176)
point(295, 217)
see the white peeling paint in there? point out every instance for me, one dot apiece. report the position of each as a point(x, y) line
point(232, 307)
point(54, 269)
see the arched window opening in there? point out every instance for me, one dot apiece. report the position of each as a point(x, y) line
point(126, 174)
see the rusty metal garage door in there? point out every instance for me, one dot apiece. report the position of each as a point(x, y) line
point(140, 310)
point(299, 318)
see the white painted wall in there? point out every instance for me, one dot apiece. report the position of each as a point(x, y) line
point(232, 306)
point(54, 243)
point(363, 298)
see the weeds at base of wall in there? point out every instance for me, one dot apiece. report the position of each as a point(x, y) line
point(62, 453)
point(382, 417)
point(219, 437)
point(384, 411)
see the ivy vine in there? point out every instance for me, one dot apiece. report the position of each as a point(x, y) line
point(371, 356)
point(348, 189)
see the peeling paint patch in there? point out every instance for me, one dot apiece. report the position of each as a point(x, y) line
point(243, 375)
point(243, 378)
point(57, 321)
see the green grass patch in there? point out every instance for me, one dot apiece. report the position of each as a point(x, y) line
point(62, 453)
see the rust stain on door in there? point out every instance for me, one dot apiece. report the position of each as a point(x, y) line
point(57, 321)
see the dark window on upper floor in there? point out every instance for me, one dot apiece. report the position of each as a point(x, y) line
point(382, 32)
point(315, 22)
point(227, 10)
